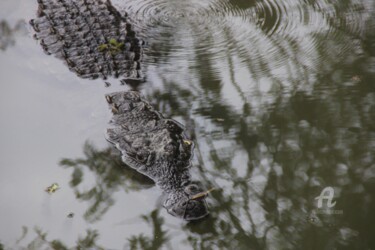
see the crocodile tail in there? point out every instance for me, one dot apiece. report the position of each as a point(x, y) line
point(91, 37)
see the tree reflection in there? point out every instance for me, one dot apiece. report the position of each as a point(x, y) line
point(40, 241)
point(317, 133)
point(8, 34)
point(111, 175)
point(306, 142)
point(156, 241)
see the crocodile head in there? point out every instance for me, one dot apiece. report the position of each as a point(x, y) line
point(185, 205)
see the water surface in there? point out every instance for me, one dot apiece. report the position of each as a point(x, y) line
point(279, 97)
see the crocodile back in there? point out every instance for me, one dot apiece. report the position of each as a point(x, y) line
point(150, 143)
point(156, 147)
point(90, 36)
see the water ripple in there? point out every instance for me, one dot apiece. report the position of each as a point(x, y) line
point(264, 35)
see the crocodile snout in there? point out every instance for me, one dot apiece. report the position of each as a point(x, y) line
point(182, 206)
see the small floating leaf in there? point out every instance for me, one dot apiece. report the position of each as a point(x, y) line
point(120, 45)
point(53, 188)
point(202, 194)
point(187, 142)
point(113, 42)
point(113, 46)
point(102, 47)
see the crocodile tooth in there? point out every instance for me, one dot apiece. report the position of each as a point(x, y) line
point(109, 99)
point(124, 127)
point(115, 109)
point(34, 25)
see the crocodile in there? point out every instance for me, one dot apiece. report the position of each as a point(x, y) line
point(96, 41)
point(90, 36)
point(158, 148)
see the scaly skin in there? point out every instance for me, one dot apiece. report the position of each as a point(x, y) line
point(77, 30)
point(156, 147)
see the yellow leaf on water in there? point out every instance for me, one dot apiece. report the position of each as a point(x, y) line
point(187, 142)
point(113, 42)
point(102, 47)
point(53, 188)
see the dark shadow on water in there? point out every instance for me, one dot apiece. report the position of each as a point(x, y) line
point(41, 241)
point(156, 240)
point(90, 241)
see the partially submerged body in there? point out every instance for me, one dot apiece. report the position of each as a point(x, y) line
point(92, 37)
point(95, 40)
point(156, 147)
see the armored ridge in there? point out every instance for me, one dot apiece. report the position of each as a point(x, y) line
point(156, 147)
point(91, 36)
point(95, 40)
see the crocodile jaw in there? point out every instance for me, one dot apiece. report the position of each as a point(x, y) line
point(180, 205)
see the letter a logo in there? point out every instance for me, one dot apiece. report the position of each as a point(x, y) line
point(326, 194)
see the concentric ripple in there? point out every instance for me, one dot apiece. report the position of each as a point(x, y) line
point(263, 35)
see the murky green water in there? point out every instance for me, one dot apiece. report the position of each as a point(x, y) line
point(279, 97)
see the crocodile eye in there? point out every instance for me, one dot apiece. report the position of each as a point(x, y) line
point(191, 189)
point(142, 156)
point(185, 183)
point(139, 157)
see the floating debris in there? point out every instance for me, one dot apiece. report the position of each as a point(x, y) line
point(202, 194)
point(102, 47)
point(187, 142)
point(70, 215)
point(113, 46)
point(107, 84)
point(220, 119)
point(356, 78)
point(53, 188)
